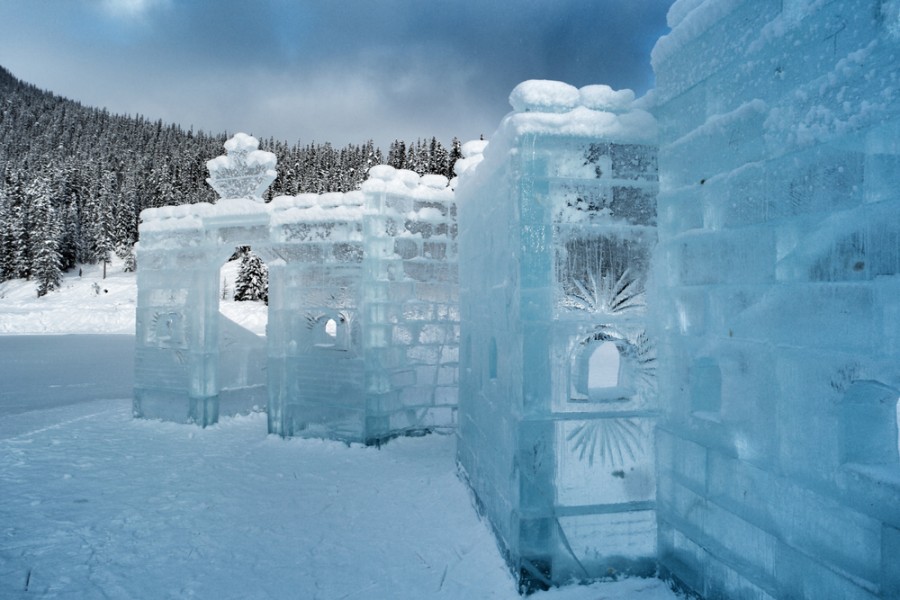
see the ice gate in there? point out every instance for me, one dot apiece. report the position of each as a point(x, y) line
point(764, 464)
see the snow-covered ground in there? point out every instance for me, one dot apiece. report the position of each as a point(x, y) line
point(88, 303)
point(96, 504)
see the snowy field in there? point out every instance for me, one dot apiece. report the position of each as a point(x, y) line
point(96, 504)
point(88, 303)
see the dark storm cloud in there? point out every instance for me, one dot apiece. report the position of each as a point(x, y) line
point(337, 70)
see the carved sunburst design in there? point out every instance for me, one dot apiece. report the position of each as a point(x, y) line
point(642, 352)
point(603, 274)
point(611, 441)
point(607, 293)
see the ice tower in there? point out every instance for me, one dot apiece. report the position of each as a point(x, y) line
point(778, 296)
point(557, 371)
point(362, 333)
point(411, 303)
point(316, 362)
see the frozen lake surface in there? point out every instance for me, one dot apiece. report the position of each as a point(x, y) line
point(44, 371)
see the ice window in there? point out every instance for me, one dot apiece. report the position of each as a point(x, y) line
point(706, 388)
point(869, 424)
point(601, 371)
point(603, 366)
point(331, 332)
point(331, 328)
point(492, 359)
point(168, 330)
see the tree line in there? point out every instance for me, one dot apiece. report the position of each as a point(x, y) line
point(74, 179)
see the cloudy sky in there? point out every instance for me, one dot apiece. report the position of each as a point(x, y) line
point(342, 71)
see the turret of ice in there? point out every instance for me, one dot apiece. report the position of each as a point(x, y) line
point(557, 398)
point(245, 172)
point(557, 108)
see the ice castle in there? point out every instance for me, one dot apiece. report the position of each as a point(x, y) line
point(673, 343)
point(363, 321)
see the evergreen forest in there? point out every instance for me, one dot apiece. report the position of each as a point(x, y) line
point(74, 179)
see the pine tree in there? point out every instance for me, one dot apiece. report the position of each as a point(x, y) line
point(130, 261)
point(47, 264)
point(455, 155)
point(397, 155)
point(17, 231)
point(252, 282)
point(6, 244)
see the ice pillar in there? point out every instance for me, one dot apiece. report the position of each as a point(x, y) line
point(410, 316)
point(316, 368)
point(557, 372)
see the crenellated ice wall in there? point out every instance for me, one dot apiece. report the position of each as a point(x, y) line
point(557, 372)
point(362, 333)
point(777, 297)
point(411, 299)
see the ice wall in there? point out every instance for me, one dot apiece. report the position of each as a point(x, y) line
point(557, 373)
point(776, 291)
point(362, 333)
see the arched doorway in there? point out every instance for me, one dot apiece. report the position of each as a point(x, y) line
point(242, 321)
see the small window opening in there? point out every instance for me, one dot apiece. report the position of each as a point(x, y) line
point(331, 332)
point(869, 424)
point(603, 367)
point(706, 388)
point(168, 329)
point(492, 359)
point(601, 370)
point(331, 328)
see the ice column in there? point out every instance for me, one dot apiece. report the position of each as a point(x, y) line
point(316, 361)
point(557, 372)
point(411, 315)
point(777, 285)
